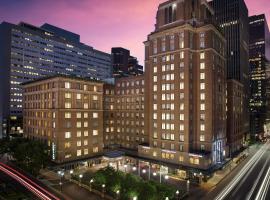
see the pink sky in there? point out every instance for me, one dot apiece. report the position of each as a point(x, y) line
point(101, 23)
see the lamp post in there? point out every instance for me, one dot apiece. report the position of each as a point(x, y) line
point(167, 198)
point(135, 198)
point(177, 194)
point(61, 174)
point(91, 181)
point(71, 173)
point(149, 173)
point(117, 194)
point(80, 178)
point(188, 183)
point(125, 166)
point(103, 190)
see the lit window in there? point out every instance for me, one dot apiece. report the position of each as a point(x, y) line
point(79, 96)
point(79, 152)
point(202, 96)
point(202, 55)
point(95, 97)
point(95, 149)
point(181, 127)
point(182, 55)
point(202, 106)
point(67, 115)
point(85, 106)
point(85, 133)
point(85, 142)
point(202, 76)
point(85, 151)
point(182, 138)
point(79, 115)
point(67, 95)
point(67, 85)
point(181, 85)
point(79, 133)
point(95, 132)
point(79, 143)
point(181, 117)
point(85, 124)
point(202, 66)
point(67, 105)
point(202, 86)
point(67, 135)
point(202, 138)
point(78, 124)
point(202, 127)
point(181, 158)
point(95, 115)
point(85, 115)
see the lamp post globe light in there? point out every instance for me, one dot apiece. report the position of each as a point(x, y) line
point(177, 194)
point(135, 198)
point(103, 190)
point(134, 168)
point(166, 177)
point(117, 194)
point(80, 178)
point(91, 181)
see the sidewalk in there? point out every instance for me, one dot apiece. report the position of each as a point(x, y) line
point(221, 174)
point(70, 191)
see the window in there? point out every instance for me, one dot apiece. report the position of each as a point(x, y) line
point(85, 87)
point(202, 76)
point(67, 145)
point(85, 105)
point(67, 135)
point(67, 105)
point(182, 55)
point(79, 143)
point(202, 138)
point(181, 117)
point(202, 127)
point(182, 138)
point(85, 124)
point(95, 132)
point(79, 133)
point(85, 133)
point(79, 152)
point(85, 151)
point(95, 149)
point(202, 86)
point(67, 95)
point(181, 158)
point(202, 96)
point(181, 85)
point(172, 42)
point(163, 44)
point(85, 115)
point(202, 55)
point(155, 78)
point(78, 124)
point(202, 106)
point(181, 127)
point(67, 115)
point(155, 69)
point(202, 66)
point(85, 142)
point(67, 85)
point(78, 115)
point(79, 96)
point(155, 47)
point(95, 115)
point(95, 97)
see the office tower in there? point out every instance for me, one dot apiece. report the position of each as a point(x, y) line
point(28, 52)
point(259, 52)
point(185, 86)
point(67, 114)
point(124, 113)
point(232, 18)
point(123, 64)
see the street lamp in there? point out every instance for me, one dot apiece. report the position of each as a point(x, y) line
point(188, 183)
point(80, 177)
point(103, 190)
point(135, 198)
point(71, 173)
point(167, 198)
point(154, 174)
point(91, 181)
point(125, 166)
point(143, 171)
point(166, 177)
point(117, 193)
point(177, 194)
point(61, 174)
point(134, 168)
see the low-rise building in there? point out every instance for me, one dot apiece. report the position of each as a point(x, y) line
point(67, 114)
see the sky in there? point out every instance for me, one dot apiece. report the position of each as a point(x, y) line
point(101, 24)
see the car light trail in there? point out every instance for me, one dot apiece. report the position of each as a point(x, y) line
point(264, 187)
point(250, 164)
point(26, 182)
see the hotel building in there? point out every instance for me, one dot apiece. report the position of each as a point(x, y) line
point(28, 52)
point(67, 114)
point(124, 113)
point(185, 83)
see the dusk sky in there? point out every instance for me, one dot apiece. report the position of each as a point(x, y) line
point(101, 23)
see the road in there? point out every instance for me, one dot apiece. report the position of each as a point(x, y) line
point(250, 181)
point(25, 181)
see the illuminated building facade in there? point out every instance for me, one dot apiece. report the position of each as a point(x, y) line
point(28, 52)
point(67, 114)
point(185, 83)
point(259, 53)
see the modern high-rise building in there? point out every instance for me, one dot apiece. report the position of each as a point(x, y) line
point(123, 64)
point(28, 52)
point(232, 18)
point(185, 83)
point(67, 114)
point(259, 53)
